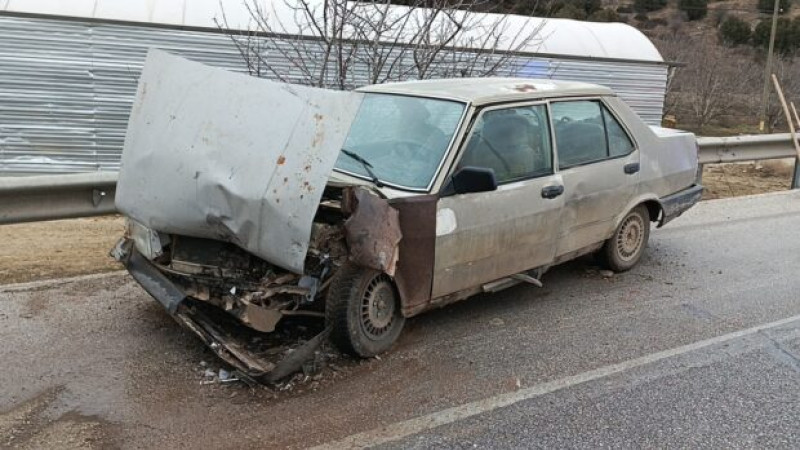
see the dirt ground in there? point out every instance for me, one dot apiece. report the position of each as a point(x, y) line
point(734, 180)
point(61, 248)
point(64, 248)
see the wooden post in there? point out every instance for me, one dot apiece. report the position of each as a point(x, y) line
point(790, 122)
point(796, 178)
point(768, 69)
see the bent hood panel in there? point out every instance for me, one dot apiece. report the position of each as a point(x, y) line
point(215, 154)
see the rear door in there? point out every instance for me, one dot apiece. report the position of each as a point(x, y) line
point(599, 163)
point(485, 236)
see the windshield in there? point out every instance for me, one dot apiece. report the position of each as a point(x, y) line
point(401, 139)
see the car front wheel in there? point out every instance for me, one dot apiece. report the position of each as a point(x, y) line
point(363, 309)
point(625, 248)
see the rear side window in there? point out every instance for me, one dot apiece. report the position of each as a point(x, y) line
point(619, 143)
point(586, 132)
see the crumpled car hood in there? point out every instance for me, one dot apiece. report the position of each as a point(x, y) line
point(215, 154)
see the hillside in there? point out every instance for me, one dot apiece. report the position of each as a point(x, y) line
point(719, 86)
point(719, 76)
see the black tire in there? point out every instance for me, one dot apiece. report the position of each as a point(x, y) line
point(625, 247)
point(363, 308)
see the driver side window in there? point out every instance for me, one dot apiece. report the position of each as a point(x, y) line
point(513, 142)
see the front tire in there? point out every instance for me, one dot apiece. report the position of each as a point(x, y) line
point(363, 309)
point(625, 248)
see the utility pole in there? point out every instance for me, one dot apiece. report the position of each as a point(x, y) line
point(768, 69)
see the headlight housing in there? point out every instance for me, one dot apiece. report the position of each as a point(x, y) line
point(148, 242)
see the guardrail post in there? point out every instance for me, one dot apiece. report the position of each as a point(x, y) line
point(796, 177)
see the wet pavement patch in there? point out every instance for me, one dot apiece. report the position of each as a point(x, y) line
point(34, 424)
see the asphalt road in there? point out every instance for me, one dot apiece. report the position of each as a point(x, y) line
point(697, 346)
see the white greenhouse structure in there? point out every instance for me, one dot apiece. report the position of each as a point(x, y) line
point(69, 69)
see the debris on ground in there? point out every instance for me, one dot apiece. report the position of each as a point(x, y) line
point(597, 272)
point(305, 370)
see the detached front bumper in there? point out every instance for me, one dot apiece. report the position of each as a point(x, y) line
point(676, 204)
point(149, 277)
point(192, 316)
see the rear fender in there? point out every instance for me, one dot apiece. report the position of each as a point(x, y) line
point(653, 204)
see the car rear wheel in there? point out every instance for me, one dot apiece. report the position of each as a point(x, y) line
point(625, 248)
point(363, 309)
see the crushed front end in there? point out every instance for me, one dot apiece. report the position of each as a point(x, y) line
point(234, 218)
point(196, 278)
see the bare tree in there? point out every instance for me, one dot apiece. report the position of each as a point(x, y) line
point(711, 83)
point(673, 48)
point(786, 69)
point(720, 85)
point(342, 44)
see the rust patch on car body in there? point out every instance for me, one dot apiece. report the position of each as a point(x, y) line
point(372, 231)
point(525, 88)
point(414, 276)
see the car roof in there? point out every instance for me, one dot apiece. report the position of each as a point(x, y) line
point(481, 91)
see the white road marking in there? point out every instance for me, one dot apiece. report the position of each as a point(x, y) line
point(53, 282)
point(417, 425)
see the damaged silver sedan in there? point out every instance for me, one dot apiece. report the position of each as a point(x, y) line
point(264, 200)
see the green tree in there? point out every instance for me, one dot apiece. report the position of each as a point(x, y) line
point(787, 38)
point(592, 6)
point(527, 7)
point(648, 5)
point(766, 6)
point(694, 9)
point(795, 33)
point(734, 31)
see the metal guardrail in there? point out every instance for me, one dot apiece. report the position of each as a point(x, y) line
point(50, 197)
point(745, 148)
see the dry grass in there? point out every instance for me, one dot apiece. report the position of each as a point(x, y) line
point(61, 248)
point(733, 180)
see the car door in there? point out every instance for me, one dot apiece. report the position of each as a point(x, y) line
point(484, 236)
point(599, 165)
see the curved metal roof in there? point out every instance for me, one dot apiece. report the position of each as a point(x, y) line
point(559, 36)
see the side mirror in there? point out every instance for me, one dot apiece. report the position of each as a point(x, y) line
point(473, 179)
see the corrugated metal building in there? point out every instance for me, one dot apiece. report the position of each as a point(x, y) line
point(68, 70)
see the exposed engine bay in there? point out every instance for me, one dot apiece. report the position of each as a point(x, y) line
point(252, 290)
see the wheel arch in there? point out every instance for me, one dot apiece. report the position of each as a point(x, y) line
point(655, 209)
point(651, 202)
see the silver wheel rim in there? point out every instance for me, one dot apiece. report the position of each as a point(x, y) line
point(377, 308)
point(630, 237)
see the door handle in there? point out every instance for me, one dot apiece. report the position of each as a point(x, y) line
point(552, 191)
point(631, 168)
